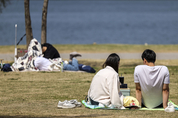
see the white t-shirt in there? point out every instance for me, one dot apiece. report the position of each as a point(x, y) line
point(105, 88)
point(42, 63)
point(151, 79)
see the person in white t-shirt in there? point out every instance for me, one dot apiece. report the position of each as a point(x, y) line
point(152, 82)
point(105, 86)
point(43, 64)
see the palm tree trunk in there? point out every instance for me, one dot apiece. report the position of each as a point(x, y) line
point(44, 22)
point(29, 34)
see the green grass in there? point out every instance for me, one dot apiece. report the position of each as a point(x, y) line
point(102, 48)
point(36, 94)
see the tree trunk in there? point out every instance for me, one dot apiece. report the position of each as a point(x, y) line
point(44, 22)
point(29, 34)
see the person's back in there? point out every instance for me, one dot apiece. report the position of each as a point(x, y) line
point(42, 63)
point(151, 79)
point(105, 86)
point(49, 51)
point(152, 82)
point(102, 84)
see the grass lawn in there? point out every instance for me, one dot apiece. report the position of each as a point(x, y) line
point(36, 94)
point(102, 48)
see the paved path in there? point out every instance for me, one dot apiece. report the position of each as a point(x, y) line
point(160, 56)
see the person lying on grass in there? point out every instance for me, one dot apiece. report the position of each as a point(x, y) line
point(44, 64)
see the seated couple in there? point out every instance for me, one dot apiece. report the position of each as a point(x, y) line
point(152, 83)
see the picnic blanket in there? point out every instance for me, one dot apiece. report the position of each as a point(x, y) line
point(26, 63)
point(101, 107)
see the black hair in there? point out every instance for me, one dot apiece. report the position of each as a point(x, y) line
point(113, 61)
point(42, 45)
point(149, 55)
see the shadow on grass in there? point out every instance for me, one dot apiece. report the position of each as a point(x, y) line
point(62, 116)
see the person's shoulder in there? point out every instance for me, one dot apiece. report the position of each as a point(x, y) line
point(108, 71)
point(109, 68)
point(163, 67)
point(140, 66)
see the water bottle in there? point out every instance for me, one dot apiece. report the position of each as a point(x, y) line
point(1, 65)
point(61, 66)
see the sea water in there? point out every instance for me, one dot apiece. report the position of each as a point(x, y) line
point(99, 21)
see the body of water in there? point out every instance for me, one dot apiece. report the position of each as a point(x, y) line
point(85, 22)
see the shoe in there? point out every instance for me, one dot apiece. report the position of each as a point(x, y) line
point(68, 105)
point(79, 104)
point(60, 104)
point(74, 101)
point(170, 108)
point(74, 54)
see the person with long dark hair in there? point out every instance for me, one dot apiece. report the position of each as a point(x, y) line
point(49, 51)
point(105, 86)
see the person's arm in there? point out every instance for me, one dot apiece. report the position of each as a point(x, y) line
point(114, 90)
point(165, 95)
point(138, 93)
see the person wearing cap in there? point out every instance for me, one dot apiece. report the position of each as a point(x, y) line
point(152, 82)
point(49, 51)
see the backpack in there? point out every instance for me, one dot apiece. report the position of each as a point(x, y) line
point(6, 68)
